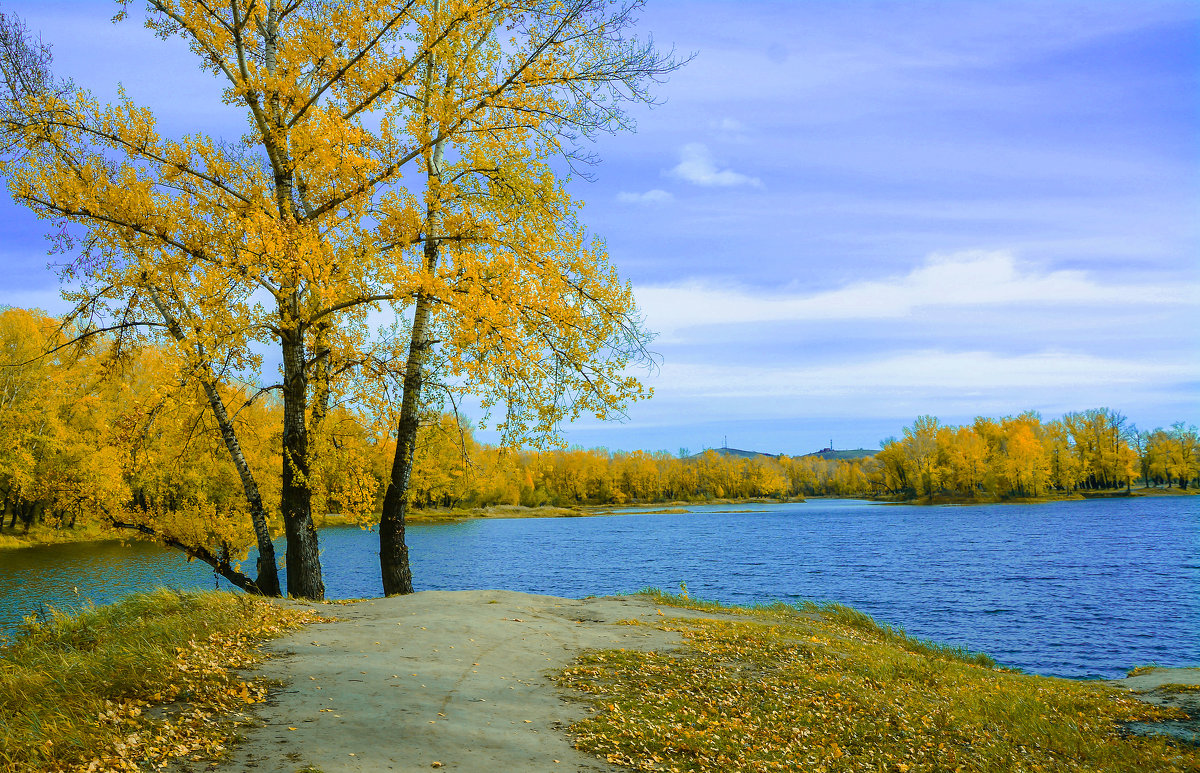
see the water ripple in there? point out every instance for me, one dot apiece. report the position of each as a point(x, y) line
point(1081, 589)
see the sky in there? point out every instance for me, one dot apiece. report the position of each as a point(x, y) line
point(846, 214)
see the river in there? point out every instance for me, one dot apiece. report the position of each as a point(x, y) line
point(1077, 589)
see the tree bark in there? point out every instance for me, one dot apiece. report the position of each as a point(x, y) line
point(393, 552)
point(303, 557)
point(268, 568)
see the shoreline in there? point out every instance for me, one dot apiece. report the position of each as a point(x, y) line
point(43, 535)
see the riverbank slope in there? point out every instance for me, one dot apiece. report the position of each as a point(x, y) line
point(474, 681)
point(492, 680)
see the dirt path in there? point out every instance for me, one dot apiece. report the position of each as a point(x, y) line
point(456, 678)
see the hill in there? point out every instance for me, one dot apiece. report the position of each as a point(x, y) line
point(736, 452)
point(829, 454)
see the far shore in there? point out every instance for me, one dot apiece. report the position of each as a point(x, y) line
point(45, 535)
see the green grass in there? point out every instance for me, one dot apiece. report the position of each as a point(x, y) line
point(137, 682)
point(824, 688)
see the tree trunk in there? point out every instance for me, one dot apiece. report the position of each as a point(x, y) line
point(303, 557)
point(268, 569)
point(393, 552)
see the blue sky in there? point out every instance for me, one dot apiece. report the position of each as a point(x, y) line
point(847, 214)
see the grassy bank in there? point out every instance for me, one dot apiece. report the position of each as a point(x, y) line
point(440, 515)
point(825, 689)
point(42, 534)
point(134, 684)
point(1057, 496)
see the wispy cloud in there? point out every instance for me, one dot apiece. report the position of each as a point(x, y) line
point(654, 196)
point(910, 383)
point(696, 166)
point(730, 130)
point(930, 370)
point(969, 279)
point(729, 125)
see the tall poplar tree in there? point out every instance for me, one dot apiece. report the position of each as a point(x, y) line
point(398, 157)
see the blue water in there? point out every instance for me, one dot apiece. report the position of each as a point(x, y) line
point(1079, 589)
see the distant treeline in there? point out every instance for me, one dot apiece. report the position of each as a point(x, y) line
point(992, 459)
point(1022, 456)
point(85, 437)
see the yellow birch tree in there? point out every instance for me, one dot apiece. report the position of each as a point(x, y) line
point(292, 234)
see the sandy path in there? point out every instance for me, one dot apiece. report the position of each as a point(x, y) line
point(450, 677)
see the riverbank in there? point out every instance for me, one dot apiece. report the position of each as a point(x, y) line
point(129, 686)
point(1058, 496)
point(45, 535)
point(41, 534)
point(476, 681)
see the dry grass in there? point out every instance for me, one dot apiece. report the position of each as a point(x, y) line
point(42, 534)
point(134, 684)
point(825, 689)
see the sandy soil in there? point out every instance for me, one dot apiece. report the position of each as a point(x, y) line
point(457, 678)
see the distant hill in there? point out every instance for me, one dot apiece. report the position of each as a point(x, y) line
point(735, 452)
point(829, 454)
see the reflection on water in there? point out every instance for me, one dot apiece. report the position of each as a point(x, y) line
point(1070, 588)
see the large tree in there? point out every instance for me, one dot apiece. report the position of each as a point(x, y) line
point(399, 156)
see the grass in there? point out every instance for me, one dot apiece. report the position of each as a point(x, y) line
point(43, 534)
point(1140, 670)
point(133, 684)
point(824, 688)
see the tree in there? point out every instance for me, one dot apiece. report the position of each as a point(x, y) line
point(1183, 456)
point(293, 234)
point(28, 409)
point(1026, 466)
point(921, 456)
point(892, 470)
point(967, 457)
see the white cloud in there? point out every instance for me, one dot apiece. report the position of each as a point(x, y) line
point(932, 371)
point(655, 196)
point(697, 166)
point(910, 383)
point(969, 279)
